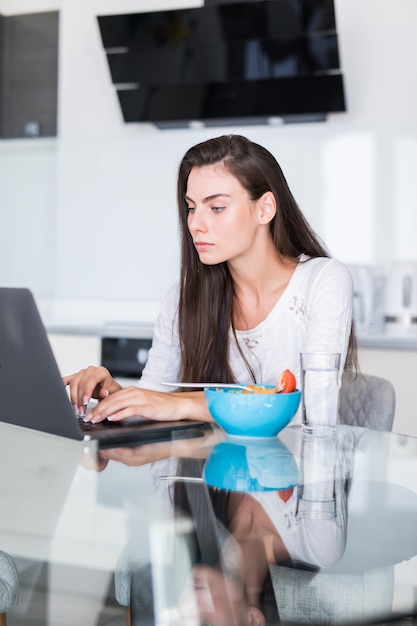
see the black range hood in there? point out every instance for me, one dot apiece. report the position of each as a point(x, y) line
point(227, 63)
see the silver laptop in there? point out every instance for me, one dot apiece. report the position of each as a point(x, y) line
point(32, 393)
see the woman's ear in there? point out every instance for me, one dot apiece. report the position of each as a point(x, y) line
point(267, 207)
point(255, 617)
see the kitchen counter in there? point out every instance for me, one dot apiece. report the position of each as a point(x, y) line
point(144, 330)
point(124, 329)
point(388, 341)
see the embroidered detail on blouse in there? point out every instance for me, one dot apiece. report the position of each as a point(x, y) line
point(298, 308)
point(251, 342)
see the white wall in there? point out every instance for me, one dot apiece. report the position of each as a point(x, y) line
point(108, 189)
point(14, 7)
point(28, 216)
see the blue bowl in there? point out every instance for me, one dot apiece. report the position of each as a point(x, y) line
point(251, 414)
point(249, 464)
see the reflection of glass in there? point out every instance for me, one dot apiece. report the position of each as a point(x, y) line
point(316, 493)
point(251, 465)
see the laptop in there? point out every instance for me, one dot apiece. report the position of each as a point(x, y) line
point(32, 393)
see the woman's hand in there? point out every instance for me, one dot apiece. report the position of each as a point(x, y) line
point(162, 406)
point(92, 382)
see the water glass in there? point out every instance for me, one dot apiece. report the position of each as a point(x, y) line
point(320, 388)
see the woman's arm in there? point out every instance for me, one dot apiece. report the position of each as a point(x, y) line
point(330, 306)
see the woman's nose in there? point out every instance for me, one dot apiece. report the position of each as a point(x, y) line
point(196, 221)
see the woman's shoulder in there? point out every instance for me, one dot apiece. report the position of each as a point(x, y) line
point(170, 300)
point(315, 266)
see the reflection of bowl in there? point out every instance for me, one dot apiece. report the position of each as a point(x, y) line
point(252, 414)
point(251, 465)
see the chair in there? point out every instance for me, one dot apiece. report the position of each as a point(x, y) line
point(9, 586)
point(367, 401)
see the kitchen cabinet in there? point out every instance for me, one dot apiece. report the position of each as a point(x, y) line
point(29, 75)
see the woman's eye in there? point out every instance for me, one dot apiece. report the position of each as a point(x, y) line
point(218, 209)
point(190, 209)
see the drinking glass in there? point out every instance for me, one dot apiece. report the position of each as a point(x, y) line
point(320, 388)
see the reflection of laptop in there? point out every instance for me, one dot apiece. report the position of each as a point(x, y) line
point(32, 393)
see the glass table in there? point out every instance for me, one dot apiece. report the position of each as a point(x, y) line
point(315, 528)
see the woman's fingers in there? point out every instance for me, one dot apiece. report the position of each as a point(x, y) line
point(127, 402)
point(92, 382)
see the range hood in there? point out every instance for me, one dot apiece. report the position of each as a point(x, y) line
point(226, 63)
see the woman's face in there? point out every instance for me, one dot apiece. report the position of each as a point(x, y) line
point(223, 221)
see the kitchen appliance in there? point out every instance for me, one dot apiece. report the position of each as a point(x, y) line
point(368, 297)
point(227, 62)
point(125, 357)
point(401, 297)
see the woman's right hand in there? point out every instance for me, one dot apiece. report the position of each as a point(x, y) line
point(92, 382)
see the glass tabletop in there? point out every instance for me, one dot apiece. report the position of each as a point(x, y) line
point(308, 527)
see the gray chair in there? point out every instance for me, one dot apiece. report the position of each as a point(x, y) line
point(367, 401)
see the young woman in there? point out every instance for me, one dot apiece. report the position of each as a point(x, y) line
point(256, 288)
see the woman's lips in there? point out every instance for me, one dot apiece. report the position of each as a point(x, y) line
point(202, 246)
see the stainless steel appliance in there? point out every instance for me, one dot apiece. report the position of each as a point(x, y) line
point(368, 294)
point(125, 357)
point(401, 297)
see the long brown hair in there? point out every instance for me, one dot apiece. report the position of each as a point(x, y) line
point(205, 314)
